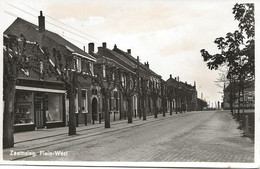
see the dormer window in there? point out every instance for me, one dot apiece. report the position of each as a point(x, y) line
point(77, 64)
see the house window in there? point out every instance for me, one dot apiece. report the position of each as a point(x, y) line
point(104, 70)
point(91, 67)
point(53, 107)
point(24, 111)
point(77, 64)
point(84, 102)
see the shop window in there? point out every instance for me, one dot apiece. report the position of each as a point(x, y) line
point(84, 101)
point(24, 111)
point(53, 107)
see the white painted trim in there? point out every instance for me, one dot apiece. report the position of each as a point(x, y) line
point(86, 57)
point(39, 89)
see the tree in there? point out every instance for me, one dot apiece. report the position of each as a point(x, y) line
point(21, 57)
point(105, 77)
point(154, 93)
point(127, 84)
point(171, 95)
point(237, 49)
point(143, 94)
point(163, 96)
point(68, 68)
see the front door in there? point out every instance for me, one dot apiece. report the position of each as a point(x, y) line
point(39, 110)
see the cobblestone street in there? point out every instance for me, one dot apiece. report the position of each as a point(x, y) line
point(205, 136)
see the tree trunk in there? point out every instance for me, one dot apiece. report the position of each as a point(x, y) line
point(238, 108)
point(139, 106)
point(144, 110)
point(8, 122)
point(129, 114)
point(231, 102)
point(107, 114)
point(231, 98)
point(155, 108)
point(72, 122)
point(171, 107)
point(176, 106)
point(243, 91)
point(163, 106)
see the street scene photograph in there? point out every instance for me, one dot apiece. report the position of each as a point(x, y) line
point(129, 83)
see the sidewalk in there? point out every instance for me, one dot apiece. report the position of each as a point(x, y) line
point(61, 131)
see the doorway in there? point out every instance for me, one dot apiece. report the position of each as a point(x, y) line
point(39, 110)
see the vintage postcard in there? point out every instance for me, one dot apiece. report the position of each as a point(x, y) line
point(123, 83)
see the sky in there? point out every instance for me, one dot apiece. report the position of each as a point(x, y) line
point(169, 34)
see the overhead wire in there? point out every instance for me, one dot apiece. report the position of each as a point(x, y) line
point(60, 22)
point(53, 24)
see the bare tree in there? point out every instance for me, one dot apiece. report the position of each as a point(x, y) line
point(68, 68)
point(105, 77)
point(127, 84)
point(21, 57)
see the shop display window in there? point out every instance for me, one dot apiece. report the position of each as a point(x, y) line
point(24, 110)
point(53, 107)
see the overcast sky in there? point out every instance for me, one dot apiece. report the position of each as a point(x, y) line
point(167, 34)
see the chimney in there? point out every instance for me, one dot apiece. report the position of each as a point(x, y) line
point(129, 51)
point(178, 79)
point(104, 44)
point(91, 48)
point(170, 76)
point(147, 64)
point(115, 47)
point(41, 20)
point(84, 48)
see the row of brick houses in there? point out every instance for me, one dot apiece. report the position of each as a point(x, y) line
point(42, 103)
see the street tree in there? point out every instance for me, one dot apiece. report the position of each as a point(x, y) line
point(21, 57)
point(171, 96)
point(127, 84)
point(68, 68)
point(154, 93)
point(237, 49)
point(143, 94)
point(105, 77)
point(163, 95)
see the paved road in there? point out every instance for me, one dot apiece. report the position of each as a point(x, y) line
point(189, 137)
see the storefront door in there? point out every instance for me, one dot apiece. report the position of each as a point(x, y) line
point(39, 110)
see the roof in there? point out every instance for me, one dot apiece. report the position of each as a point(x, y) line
point(31, 33)
point(133, 61)
point(175, 83)
point(116, 57)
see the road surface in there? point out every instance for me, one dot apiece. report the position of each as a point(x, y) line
point(203, 136)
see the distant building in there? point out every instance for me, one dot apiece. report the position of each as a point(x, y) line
point(247, 100)
point(181, 96)
point(201, 104)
